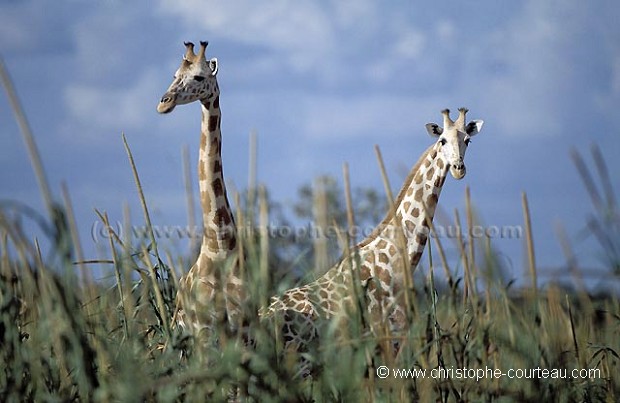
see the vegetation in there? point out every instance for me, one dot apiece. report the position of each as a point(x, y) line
point(64, 337)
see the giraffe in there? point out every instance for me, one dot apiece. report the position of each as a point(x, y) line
point(217, 266)
point(379, 271)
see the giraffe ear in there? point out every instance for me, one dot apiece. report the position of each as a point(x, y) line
point(434, 129)
point(474, 127)
point(213, 66)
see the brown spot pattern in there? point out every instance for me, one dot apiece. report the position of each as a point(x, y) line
point(418, 195)
point(222, 216)
point(415, 258)
point(324, 293)
point(217, 166)
point(330, 287)
point(364, 274)
point(429, 174)
point(420, 238)
point(210, 233)
point(431, 201)
point(213, 120)
point(384, 275)
point(383, 258)
point(213, 245)
point(392, 250)
point(205, 201)
point(202, 173)
point(298, 295)
point(216, 146)
point(410, 225)
point(218, 187)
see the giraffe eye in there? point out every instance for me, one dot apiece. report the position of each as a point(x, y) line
point(442, 142)
point(467, 141)
point(199, 78)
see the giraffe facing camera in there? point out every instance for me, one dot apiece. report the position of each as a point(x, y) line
point(376, 265)
point(455, 136)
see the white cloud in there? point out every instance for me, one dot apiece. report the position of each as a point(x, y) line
point(15, 16)
point(526, 71)
point(446, 31)
point(329, 41)
point(105, 40)
point(409, 45)
point(95, 108)
point(301, 29)
point(319, 80)
point(349, 14)
point(12, 33)
point(378, 116)
point(106, 85)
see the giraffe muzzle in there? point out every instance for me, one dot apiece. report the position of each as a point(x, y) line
point(458, 170)
point(167, 103)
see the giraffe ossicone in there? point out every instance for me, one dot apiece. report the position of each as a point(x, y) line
point(376, 263)
point(216, 271)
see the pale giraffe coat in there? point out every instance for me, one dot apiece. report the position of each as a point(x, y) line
point(384, 259)
point(212, 287)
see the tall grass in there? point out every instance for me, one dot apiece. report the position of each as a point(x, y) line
point(64, 337)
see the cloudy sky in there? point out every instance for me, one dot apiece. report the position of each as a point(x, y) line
point(320, 82)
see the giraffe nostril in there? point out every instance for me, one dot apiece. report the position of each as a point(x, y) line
point(165, 99)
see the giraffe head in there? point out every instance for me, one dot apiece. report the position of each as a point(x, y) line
point(453, 139)
point(194, 80)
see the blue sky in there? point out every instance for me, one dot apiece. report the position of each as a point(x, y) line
point(321, 82)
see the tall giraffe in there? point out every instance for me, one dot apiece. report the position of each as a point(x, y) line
point(381, 255)
point(216, 271)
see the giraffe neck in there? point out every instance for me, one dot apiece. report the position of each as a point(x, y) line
point(219, 236)
point(415, 205)
point(380, 253)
